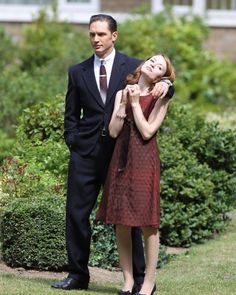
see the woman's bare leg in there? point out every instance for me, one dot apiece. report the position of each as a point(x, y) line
point(124, 246)
point(151, 241)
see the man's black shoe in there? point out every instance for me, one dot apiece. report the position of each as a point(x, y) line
point(70, 284)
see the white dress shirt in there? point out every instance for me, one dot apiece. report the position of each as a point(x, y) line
point(108, 63)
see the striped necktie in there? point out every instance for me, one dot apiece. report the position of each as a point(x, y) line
point(103, 81)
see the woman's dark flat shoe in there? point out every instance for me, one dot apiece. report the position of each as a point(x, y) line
point(153, 291)
point(124, 293)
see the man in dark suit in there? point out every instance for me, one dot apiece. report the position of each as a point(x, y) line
point(87, 114)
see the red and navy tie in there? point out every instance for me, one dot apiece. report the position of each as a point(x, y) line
point(103, 81)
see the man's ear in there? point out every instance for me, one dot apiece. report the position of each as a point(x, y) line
point(114, 36)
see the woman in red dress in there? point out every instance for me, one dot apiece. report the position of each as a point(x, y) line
point(131, 196)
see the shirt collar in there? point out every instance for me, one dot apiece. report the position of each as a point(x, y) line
point(108, 59)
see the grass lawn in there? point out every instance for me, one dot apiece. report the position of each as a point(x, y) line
point(207, 269)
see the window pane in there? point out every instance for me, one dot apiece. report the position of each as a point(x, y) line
point(221, 4)
point(39, 1)
point(25, 1)
point(178, 2)
point(78, 1)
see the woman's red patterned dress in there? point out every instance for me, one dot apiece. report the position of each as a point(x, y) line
point(131, 193)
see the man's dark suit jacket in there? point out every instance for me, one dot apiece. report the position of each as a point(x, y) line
point(85, 113)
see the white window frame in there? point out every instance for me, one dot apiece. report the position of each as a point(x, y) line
point(212, 17)
point(69, 12)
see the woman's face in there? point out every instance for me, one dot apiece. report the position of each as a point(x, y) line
point(154, 67)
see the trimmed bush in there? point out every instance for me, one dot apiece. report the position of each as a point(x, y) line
point(33, 233)
point(190, 211)
point(198, 177)
point(33, 236)
point(198, 159)
point(196, 188)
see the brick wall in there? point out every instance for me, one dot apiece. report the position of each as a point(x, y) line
point(122, 5)
point(223, 42)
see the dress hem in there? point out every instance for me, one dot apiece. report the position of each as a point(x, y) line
point(131, 224)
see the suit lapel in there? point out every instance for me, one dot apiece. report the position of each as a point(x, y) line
point(116, 75)
point(90, 81)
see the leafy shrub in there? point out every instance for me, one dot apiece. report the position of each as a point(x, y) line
point(219, 152)
point(104, 250)
point(6, 145)
point(33, 236)
point(226, 118)
point(19, 90)
point(8, 51)
point(103, 246)
point(38, 171)
point(40, 137)
point(209, 144)
point(182, 40)
point(46, 50)
point(188, 207)
point(198, 177)
point(197, 183)
point(46, 40)
point(41, 122)
point(23, 180)
point(48, 47)
point(39, 165)
point(33, 233)
point(198, 158)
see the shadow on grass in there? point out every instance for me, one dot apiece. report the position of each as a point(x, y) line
point(103, 289)
point(45, 283)
point(93, 287)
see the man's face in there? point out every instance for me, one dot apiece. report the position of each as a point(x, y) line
point(101, 38)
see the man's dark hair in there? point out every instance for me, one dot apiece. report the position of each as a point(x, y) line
point(112, 24)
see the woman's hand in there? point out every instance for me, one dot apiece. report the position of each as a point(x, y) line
point(121, 113)
point(133, 93)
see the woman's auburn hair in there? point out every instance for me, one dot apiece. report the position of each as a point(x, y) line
point(169, 74)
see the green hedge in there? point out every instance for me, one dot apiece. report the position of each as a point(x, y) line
point(35, 67)
point(33, 233)
point(38, 166)
point(198, 177)
point(33, 236)
point(208, 87)
point(197, 183)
